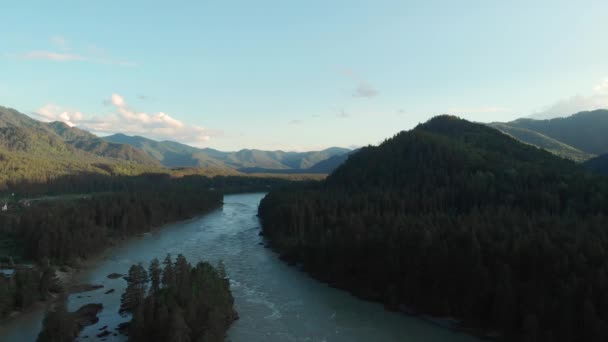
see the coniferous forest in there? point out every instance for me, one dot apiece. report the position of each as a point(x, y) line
point(176, 301)
point(457, 219)
point(54, 224)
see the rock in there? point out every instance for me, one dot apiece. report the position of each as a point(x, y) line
point(83, 288)
point(114, 275)
point(110, 291)
point(87, 315)
point(103, 334)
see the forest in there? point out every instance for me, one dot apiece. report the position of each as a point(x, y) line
point(176, 301)
point(172, 301)
point(457, 219)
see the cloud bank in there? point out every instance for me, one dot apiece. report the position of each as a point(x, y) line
point(597, 100)
point(124, 119)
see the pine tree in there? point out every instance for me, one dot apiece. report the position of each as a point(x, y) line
point(135, 293)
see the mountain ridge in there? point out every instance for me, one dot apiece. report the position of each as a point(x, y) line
point(174, 154)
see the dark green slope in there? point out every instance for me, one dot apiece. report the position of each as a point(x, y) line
point(585, 131)
point(459, 220)
point(88, 142)
point(598, 164)
point(37, 151)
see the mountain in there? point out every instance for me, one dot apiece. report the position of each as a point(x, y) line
point(326, 166)
point(36, 151)
point(456, 219)
point(582, 132)
point(538, 139)
point(598, 164)
point(173, 154)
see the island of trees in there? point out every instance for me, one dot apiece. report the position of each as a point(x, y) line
point(459, 220)
point(176, 301)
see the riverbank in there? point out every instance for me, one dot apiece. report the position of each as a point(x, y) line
point(366, 294)
point(275, 302)
point(69, 275)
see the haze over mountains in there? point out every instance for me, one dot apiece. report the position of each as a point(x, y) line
point(578, 137)
point(173, 154)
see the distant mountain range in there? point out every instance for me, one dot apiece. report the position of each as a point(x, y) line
point(578, 137)
point(173, 154)
point(38, 151)
point(30, 149)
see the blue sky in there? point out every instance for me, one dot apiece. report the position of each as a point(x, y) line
point(298, 75)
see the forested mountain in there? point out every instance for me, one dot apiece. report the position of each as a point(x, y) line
point(22, 133)
point(37, 151)
point(326, 166)
point(460, 220)
point(582, 132)
point(538, 139)
point(598, 164)
point(173, 154)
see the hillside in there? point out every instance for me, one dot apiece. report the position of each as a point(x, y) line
point(323, 167)
point(457, 219)
point(538, 139)
point(584, 131)
point(598, 164)
point(173, 154)
point(37, 151)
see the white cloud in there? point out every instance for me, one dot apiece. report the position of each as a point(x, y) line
point(96, 55)
point(365, 89)
point(53, 56)
point(597, 100)
point(602, 88)
point(60, 42)
point(52, 112)
point(124, 119)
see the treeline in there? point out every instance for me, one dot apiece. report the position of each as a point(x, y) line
point(176, 301)
point(456, 219)
point(93, 182)
point(26, 286)
point(60, 325)
point(65, 230)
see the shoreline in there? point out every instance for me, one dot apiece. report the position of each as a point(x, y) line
point(73, 276)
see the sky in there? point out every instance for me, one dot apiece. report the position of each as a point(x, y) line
point(298, 75)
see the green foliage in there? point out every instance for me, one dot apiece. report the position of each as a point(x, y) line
point(458, 219)
point(193, 304)
point(25, 287)
point(64, 231)
point(58, 325)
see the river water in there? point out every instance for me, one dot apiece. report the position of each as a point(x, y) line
point(275, 302)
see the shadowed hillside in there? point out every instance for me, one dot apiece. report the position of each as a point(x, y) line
point(458, 220)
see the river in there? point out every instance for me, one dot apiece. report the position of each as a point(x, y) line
point(275, 302)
